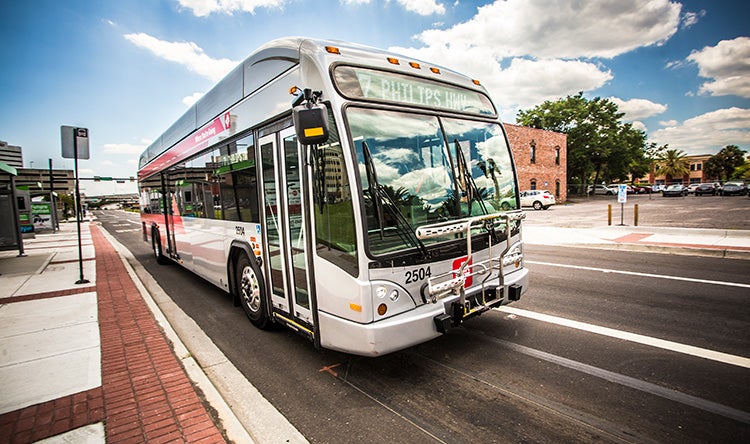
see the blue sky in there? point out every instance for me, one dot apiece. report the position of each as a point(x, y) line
point(127, 69)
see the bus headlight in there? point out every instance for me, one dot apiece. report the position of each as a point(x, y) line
point(389, 299)
point(380, 292)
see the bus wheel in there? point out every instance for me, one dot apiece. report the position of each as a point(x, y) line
point(251, 292)
point(156, 246)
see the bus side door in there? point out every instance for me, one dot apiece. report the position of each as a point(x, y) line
point(287, 261)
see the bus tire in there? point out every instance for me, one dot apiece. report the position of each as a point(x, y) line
point(156, 248)
point(251, 291)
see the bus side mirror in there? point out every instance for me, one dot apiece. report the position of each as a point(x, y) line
point(311, 123)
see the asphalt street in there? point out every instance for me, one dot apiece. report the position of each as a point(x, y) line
point(611, 346)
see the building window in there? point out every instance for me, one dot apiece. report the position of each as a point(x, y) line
point(557, 155)
point(533, 184)
point(533, 152)
point(557, 188)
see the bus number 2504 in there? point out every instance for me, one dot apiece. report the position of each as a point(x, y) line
point(417, 275)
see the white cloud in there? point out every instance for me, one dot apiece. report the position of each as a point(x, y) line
point(524, 54)
point(526, 83)
point(203, 8)
point(604, 28)
point(708, 133)
point(637, 124)
point(635, 109)
point(728, 64)
point(125, 148)
point(691, 18)
point(191, 99)
point(422, 7)
point(187, 54)
point(668, 123)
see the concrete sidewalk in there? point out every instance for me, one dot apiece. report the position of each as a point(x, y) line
point(733, 244)
point(88, 362)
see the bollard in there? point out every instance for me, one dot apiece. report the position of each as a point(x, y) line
point(609, 214)
point(635, 215)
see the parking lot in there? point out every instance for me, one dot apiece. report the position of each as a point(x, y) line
point(720, 212)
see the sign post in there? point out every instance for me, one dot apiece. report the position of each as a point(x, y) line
point(75, 145)
point(622, 197)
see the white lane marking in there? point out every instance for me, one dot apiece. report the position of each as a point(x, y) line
point(634, 273)
point(633, 337)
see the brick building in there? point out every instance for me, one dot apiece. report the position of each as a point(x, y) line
point(695, 175)
point(541, 159)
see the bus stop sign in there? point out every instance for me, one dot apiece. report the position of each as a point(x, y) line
point(74, 141)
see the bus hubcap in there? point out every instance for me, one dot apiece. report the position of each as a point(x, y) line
point(250, 289)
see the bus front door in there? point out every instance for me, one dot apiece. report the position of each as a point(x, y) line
point(286, 255)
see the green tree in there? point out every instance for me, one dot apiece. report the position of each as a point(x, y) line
point(640, 167)
point(672, 163)
point(68, 203)
point(743, 171)
point(600, 146)
point(723, 164)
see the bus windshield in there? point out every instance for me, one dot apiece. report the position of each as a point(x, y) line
point(420, 169)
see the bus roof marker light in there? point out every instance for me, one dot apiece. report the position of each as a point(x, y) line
point(332, 50)
point(393, 61)
point(476, 82)
point(415, 65)
point(435, 70)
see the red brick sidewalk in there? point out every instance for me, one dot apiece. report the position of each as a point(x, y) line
point(145, 396)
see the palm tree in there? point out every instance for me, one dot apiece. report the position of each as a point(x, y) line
point(672, 163)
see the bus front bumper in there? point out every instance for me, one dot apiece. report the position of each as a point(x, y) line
point(414, 327)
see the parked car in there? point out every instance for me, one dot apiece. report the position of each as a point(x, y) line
point(642, 188)
point(706, 188)
point(691, 188)
point(600, 189)
point(615, 187)
point(734, 188)
point(537, 199)
point(674, 190)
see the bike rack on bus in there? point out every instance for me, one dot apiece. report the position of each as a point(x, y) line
point(439, 287)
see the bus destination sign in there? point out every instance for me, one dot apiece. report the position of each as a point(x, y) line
point(382, 86)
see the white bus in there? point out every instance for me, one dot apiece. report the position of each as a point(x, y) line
point(374, 209)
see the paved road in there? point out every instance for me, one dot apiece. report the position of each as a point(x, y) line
point(724, 212)
point(552, 368)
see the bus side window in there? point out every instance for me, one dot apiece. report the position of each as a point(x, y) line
point(336, 239)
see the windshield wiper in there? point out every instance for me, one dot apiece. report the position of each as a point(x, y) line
point(464, 171)
point(379, 195)
point(373, 185)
